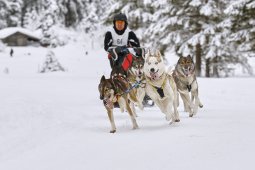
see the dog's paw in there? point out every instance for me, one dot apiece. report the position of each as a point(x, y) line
point(168, 117)
point(135, 127)
point(172, 122)
point(191, 115)
point(113, 131)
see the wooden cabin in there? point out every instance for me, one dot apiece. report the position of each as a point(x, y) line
point(16, 36)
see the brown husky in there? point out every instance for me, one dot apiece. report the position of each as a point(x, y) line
point(185, 79)
point(117, 89)
point(136, 77)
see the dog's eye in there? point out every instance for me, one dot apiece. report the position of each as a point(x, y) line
point(156, 63)
point(149, 63)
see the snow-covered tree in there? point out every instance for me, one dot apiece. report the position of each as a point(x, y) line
point(4, 5)
point(184, 25)
point(71, 11)
point(31, 19)
point(14, 13)
point(51, 63)
point(49, 19)
point(241, 23)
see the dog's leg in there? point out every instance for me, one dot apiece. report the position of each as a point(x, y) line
point(170, 105)
point(184, 100)
point(132, 106)
point(140, 96)
point(187, 103)
point(195, 94)
point(176, 113)
point(162, 108)
point(133, 97)
point(197, 101)
point(131, 114)
point(200, 104)
point(176, 101)
point(111, 118)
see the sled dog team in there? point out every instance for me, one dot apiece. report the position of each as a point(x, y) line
point(148, 75)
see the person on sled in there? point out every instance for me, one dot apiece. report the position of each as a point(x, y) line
point(120, 37)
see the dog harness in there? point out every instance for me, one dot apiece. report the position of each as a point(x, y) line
point(159, 90)
point(189, 87)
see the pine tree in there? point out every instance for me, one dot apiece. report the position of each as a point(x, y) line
point(31, 19)
point(49, 19)
point(14, 13)
point(4, 5)
point(186, 26)
point(241, 24)
point(51, 63)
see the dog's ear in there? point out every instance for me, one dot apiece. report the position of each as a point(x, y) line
point(158, 54)
point(180, 58)
point(102, 78)
point(189, 56)
point(150, 52)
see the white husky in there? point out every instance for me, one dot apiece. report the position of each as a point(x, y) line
point(160, 86)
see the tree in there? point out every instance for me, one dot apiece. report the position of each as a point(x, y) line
point(241, 24)
point(31, 19)
point(4, 5)
point(51, 63)
point(48, 21)
point(14, 13)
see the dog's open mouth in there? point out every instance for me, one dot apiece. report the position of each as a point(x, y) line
point(154, 75)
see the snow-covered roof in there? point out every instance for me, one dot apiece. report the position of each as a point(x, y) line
point(6, 32)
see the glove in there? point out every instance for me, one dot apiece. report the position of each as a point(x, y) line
point(122, 50)
point(139, 51)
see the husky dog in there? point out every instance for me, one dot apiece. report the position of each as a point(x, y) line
point(185, 79)
point(160, 86)
point(117, 89)
point(136, 77)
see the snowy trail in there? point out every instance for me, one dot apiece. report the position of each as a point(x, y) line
point(56, 121)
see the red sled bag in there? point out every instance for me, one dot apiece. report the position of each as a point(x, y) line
point(127, 62)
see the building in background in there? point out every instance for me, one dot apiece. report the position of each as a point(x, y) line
point(17, 36)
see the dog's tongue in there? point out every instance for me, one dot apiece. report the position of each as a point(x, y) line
point(154, 76)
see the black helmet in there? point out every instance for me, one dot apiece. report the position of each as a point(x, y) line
point(120, 17)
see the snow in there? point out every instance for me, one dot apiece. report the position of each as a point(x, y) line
point(56, 120)
point(12, 30)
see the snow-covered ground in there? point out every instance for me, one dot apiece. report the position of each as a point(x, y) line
point(55, 121)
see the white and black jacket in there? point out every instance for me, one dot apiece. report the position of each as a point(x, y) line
point(126, 37)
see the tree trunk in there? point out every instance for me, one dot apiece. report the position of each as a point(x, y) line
point(215, 67)
point(207, 67)
point(198, 60)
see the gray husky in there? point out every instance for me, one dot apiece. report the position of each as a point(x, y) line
point(185, 79)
